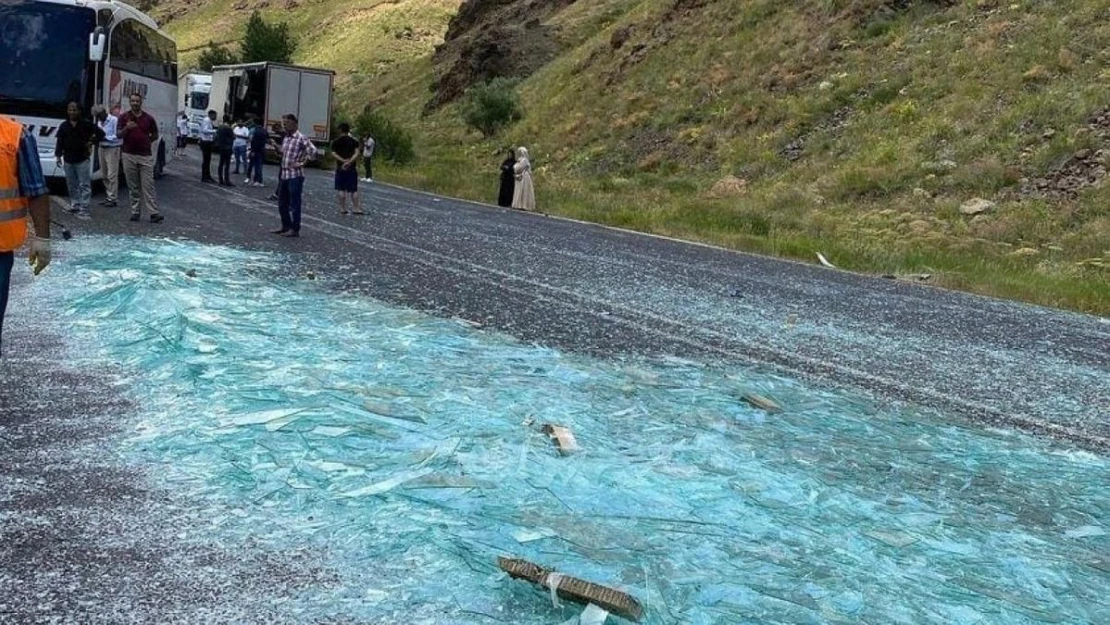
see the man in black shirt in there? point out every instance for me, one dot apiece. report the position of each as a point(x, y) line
point(225, 146)
point(257, 153)
point(345, 148)
point(73, 148)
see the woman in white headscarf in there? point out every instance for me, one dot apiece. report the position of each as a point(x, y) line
point(524, 196)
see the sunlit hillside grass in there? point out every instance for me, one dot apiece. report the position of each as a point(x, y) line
point(359, 39)
point(856, 128)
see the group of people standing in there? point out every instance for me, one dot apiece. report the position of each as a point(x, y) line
point(127, 139)
point(245, 141)
point(517, 190)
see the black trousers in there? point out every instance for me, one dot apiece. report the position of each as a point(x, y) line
point(7, 260)
point(367, 163)
point(206, 160)
point(224, 168)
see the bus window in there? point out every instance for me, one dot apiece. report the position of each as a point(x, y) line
point(139, 49)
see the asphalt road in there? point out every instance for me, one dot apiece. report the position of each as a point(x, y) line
point(588, 288)
point(77, 531)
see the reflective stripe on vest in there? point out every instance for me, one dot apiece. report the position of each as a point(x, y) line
point(19, 213)
point(13, 208)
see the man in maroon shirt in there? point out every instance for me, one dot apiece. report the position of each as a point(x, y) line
point(138, 131)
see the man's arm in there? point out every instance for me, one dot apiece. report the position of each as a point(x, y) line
point(39, 207)
point(32, 186)
point(98, 134)
point(59, 139)
point(153, 129)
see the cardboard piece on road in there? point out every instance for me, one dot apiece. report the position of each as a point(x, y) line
point(563, 437)
point(570, 588)
point(761, 402)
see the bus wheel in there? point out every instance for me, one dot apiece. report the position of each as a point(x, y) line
point(160, 161)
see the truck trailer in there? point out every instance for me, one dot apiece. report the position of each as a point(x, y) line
point(267, 91)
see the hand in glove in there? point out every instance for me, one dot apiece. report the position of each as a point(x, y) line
point(39, 257)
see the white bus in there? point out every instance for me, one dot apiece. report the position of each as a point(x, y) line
point(89, 51)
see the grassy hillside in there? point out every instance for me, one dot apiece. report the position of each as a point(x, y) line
point(857, 128)
point(359, 39)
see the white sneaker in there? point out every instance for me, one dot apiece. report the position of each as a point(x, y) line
point(246, 180)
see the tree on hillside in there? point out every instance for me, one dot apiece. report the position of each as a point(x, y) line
point(492, 106)
point(266, 42)
point(392, 142)
point(214, 55)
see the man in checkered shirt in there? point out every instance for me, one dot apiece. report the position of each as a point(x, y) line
point(296, 150)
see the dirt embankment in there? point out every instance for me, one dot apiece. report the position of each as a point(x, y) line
point(489, 39)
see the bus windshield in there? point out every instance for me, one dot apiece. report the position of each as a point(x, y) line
point(43, 49)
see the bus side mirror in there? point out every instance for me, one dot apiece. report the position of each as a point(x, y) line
point(96, 45)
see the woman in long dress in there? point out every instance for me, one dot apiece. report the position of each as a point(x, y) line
point(505, 197)
point(524, 195)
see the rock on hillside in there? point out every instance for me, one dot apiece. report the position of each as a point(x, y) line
point(489, 39)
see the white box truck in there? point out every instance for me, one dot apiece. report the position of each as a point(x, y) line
point(193, 89)
point(269, 90)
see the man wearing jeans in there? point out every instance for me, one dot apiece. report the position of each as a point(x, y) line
point(22, 191)
point(73, 148)
point(296, 150)
point(260, 137)
point(139, 132)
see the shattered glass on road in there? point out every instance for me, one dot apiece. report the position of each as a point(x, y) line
point(406, 448)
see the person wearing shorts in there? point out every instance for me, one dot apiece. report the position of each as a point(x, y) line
point(345, 148)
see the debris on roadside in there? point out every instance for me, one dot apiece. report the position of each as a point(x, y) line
point(909, 277)
point(563, 437)
point(573, 589)
point(825, 261)
point(761, 402)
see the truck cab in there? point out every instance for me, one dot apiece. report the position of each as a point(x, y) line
point(195, 90)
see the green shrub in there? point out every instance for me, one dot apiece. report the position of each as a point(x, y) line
point(492, 106)
point(215, 55)
point(391, 142)
point(267, 42)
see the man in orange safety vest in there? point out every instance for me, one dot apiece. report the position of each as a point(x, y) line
point(22, 192)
